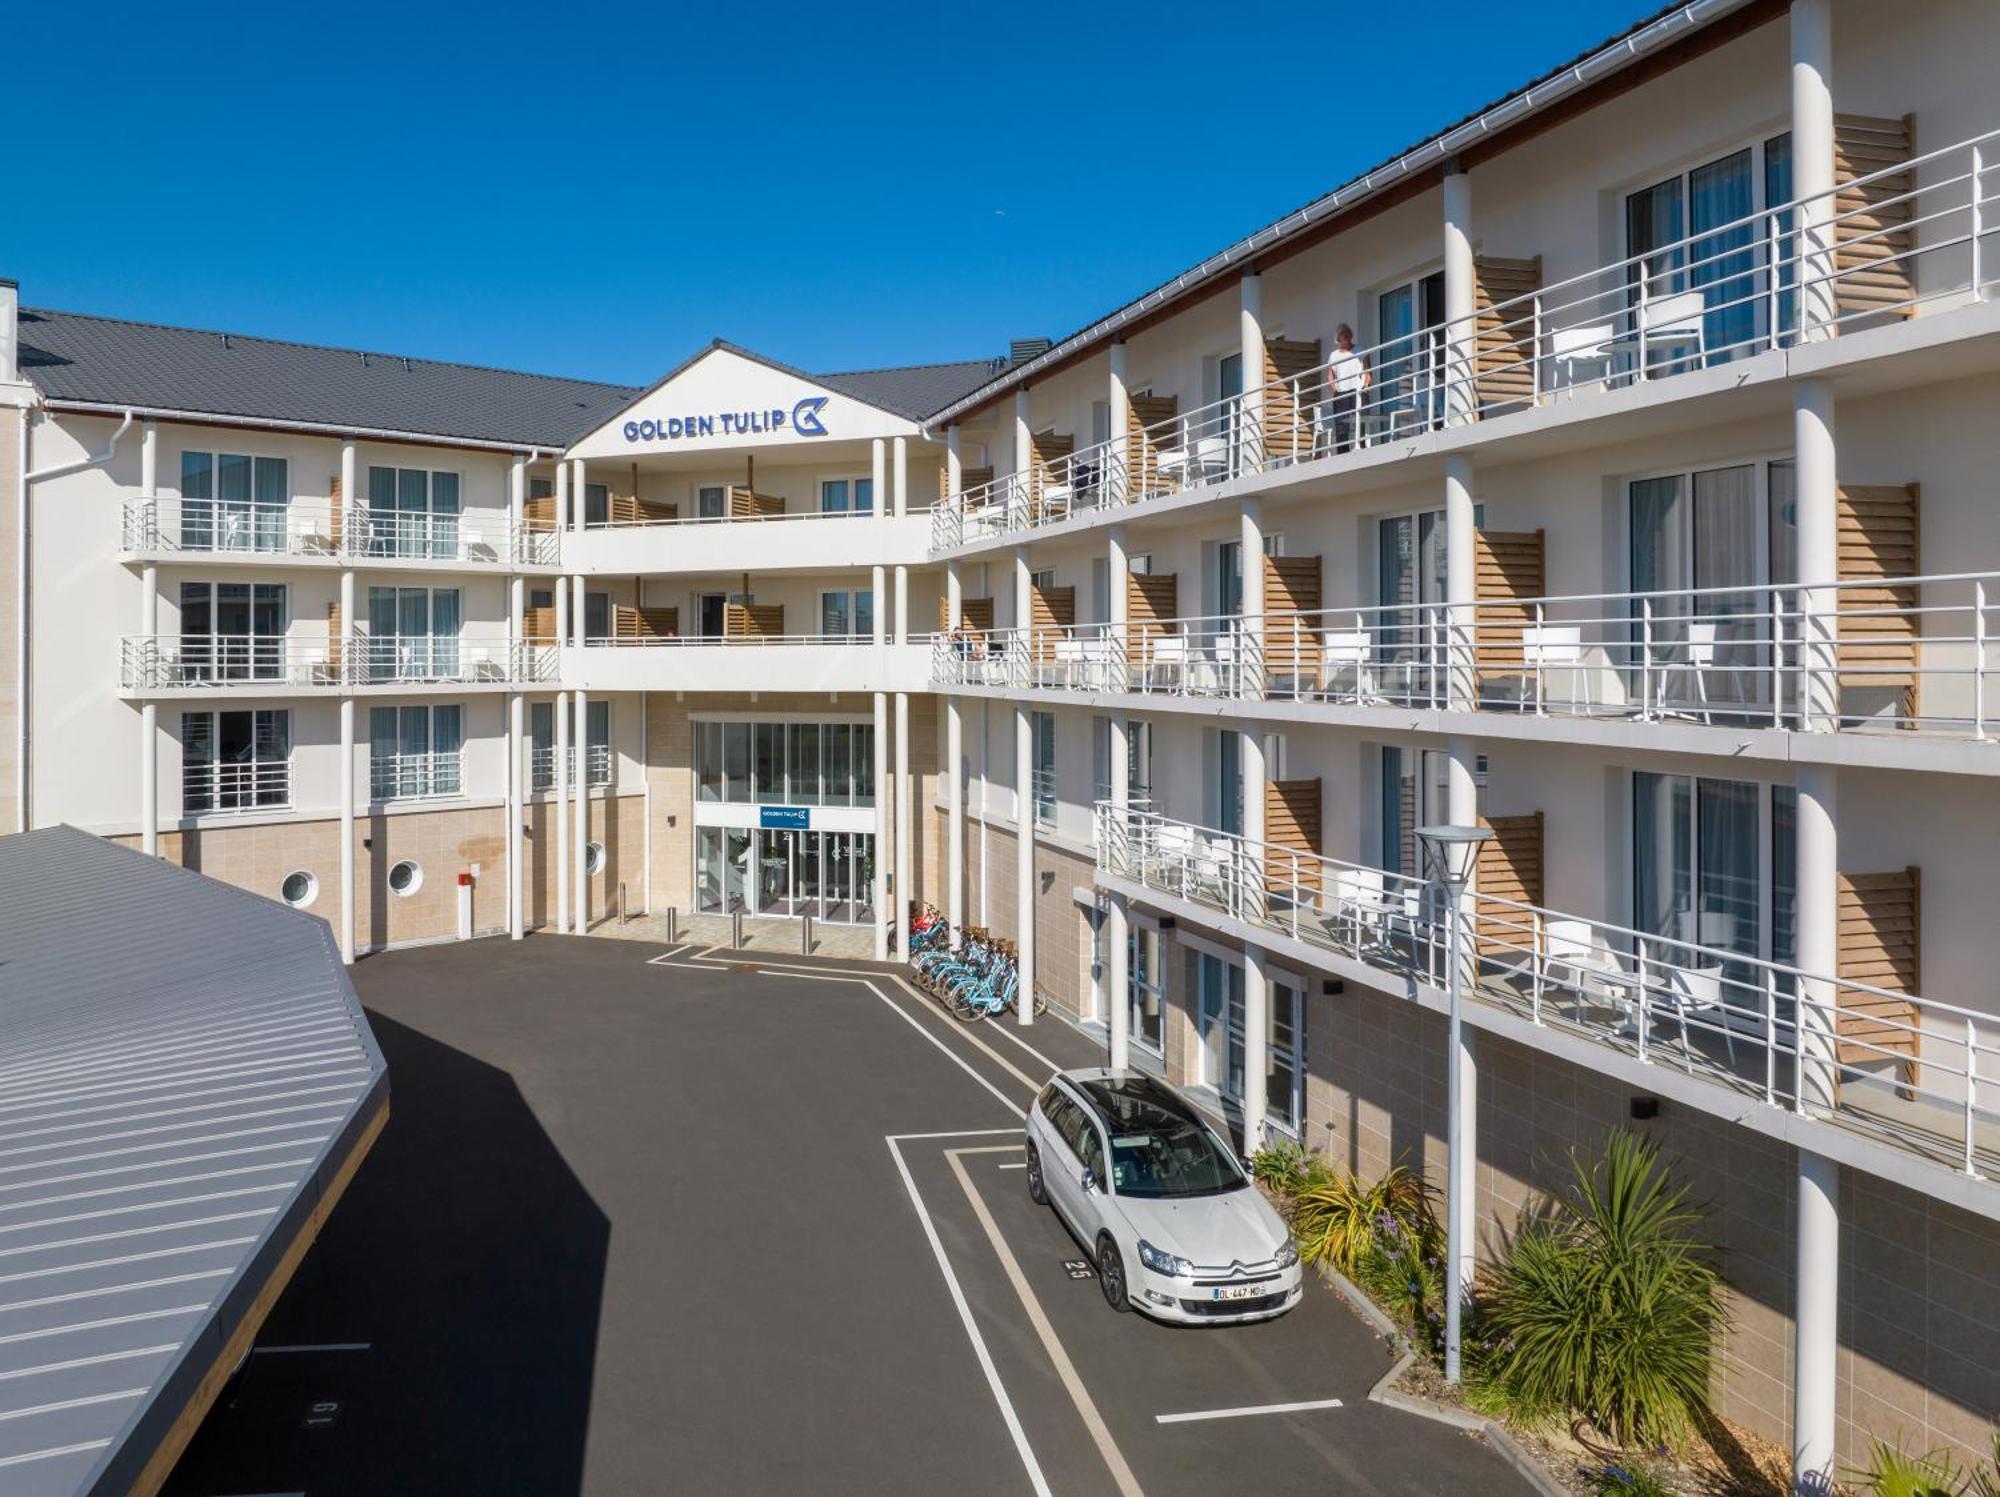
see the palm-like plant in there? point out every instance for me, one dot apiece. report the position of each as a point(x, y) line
point(1338, 1220)
point(1609, 1308)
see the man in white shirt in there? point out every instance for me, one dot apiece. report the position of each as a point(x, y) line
point(1347, 376)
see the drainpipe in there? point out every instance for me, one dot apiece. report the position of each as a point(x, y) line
point(24, 733)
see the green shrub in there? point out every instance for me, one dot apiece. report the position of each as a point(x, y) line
point(1338, 1218)
point(1279, 1164)
point(1891, 1472)
point(1608, 1308)
point(1628, 1481)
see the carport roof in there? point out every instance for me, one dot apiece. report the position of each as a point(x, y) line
point(186, 1081)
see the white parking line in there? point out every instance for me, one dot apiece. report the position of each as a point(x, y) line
point(1006, 1028)
point(1023, 1164)
point(1100, 1433)
point(1266, 1408)
point(1007, 1413)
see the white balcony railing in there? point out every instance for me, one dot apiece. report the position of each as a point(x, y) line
point(210, 786)
point(416, 776)
point(1885, 654)
point(542, 766)
point(1807, 268)
point(156, 662)
point(165, 525)
point(729, 641)
point(1894, 1066)
point(1044, 788)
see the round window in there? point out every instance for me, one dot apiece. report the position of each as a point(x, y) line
point(593, 858)
point(406, 877)
point(299, 889)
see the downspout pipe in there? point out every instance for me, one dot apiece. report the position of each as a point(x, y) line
point(24, 735)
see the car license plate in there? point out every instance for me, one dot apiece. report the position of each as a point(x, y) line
point(1239, 1291)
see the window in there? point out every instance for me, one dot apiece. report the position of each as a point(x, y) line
point(1222, 1040)
point(541, 745)
point(1138, 759)
point(1723, 265)
point(775, 763)
point(406, 878)
point(233, 631)
point(412, 634)
point(1146, 993)
point(593, 858)
point(597, 738)
point(596, 504)
point(847, 613)
point(412, 512)
point(711, 501)
point(597, 615)
point(1416, 791)
point(1713, 863)
point(299, 889)
point(235, 761)
point(1226, 787)
point(1409, 326)
point(842, 496)
point(415, 751)
point(1044, 725)
point(233, 502)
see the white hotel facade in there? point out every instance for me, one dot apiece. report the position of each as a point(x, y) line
point(1652, 524)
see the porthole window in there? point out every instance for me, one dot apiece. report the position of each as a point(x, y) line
point(406, 877)
point(593, 858)
point(299, 889)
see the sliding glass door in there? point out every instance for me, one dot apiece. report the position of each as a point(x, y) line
point(1700, 551)
point(413, 633)
point(1713, 865)
point(1221, 1018)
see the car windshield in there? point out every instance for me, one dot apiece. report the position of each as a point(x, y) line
point(1156, 1153)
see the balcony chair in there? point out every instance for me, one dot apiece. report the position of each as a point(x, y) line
point(1555, 647)
point(1099, 655)
point(1069, 661)
point(1576, 957)
point(311, 536)
point(1165, 655)
point(1343, 651)
point(1595, 343)
point(1696, 660)
point(1358, 906)
point(1696, 992)
point(1173, 845)
point(1679, 321)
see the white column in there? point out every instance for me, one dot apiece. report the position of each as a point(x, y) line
point(878, 469)
point(954, 463)
point(556, 853)
point(1118, 926)
point(899, 469)
point(582, 876)
point(1120, 399)
point(562, 497)
point(348, 664)
point(1256, 1044)
point(350, 476)
point(1817, 506)
point(1817, 934)
point(1251, 632)
point(1816, 1324)
point(517, 502)
point(878, 609)
point(954, 740)
point(902, 604)
point(149, 458)
point(1119, 570)
point(1024, 448)
point(906, 887)
point(1460, 403)
point(1254, 774)
point(578, 509)
point(149, 714)
point(882, 911)
point(517, 799)
point(1251, 319)
point(1813, 163)
point(1461, 582)
point(1024, 859)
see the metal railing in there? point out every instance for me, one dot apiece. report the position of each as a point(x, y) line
point(916, 511)
point(542, 766)
point(416, 776)
point(166, 525)
point(1803, 269)
point(1043, 787)
point(149, 662)
point(212, 786)
point(1880, 654)
point(1895, 1066)
point(727, 641)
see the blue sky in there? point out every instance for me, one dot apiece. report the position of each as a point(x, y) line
point(597, 190)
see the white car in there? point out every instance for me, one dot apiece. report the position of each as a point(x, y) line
point(1175, 1226)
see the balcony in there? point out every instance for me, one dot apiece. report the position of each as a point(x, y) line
point(1911, 239)
point(407, 777)
point(754, 540)
point(747, 662)
point(163, 527)
point(212, 786)
point(1905, 656)
point(287, 664)
point(1887, 1065)
point(542, 767)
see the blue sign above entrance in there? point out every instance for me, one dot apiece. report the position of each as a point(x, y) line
point(784, 818)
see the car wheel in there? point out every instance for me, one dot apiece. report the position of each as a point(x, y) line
point(1037, 1191)
point(1111, 1274)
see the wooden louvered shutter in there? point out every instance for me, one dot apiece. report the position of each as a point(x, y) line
point(1872, 236)
point(1880, 538)
point(1051, 615)
point(1291, 618)
point(338, 518)
point(645, 623)
point(976, 612)
point(753, 620)
point(1149, 426)
point(1504, 335)
point(336, 640)
point(1881, 944)
point(1287, 429)
point(1512, 567)
point(1292, 819)
point(1151, 598)
point(1510, 868)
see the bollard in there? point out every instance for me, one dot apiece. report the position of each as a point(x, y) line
point(673, 924)
point(806, 936)
point(623, 917)
point(735, 930)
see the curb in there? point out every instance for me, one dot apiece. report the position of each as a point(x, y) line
point(1385, 1392)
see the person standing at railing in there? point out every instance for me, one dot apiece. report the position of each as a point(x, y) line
point(1347, 376)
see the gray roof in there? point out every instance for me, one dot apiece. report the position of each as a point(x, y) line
point(183, 1069)
point(106, 361)
point(916, 390)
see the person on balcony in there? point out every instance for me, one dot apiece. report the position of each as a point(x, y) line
point(1347, 376)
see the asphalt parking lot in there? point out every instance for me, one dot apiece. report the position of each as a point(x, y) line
point(640, 1224)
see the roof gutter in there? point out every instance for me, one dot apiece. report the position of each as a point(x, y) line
point(1628, 49)
point(278, 423)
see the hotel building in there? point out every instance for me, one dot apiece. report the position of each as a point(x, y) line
point(1644, 517)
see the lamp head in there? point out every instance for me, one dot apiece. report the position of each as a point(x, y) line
point(1450, 853)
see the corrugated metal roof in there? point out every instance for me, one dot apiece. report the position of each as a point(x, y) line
point(107, 361)
point(183, 1068)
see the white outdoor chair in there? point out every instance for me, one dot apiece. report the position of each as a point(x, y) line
point(1069, 659)
point(312, 661)
point(1344, 651)
point(1099, 655)
point(1696, 658)
point(1166, 656)
point(1547, 647)
point(1211, 459)
point(1575, 956)
point(1696, 992)
point(1679, 321)
point(480, 664)
point(1569, 347)
point(1358, 903)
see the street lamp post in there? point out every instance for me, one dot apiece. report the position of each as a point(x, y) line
point(1450, 854)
